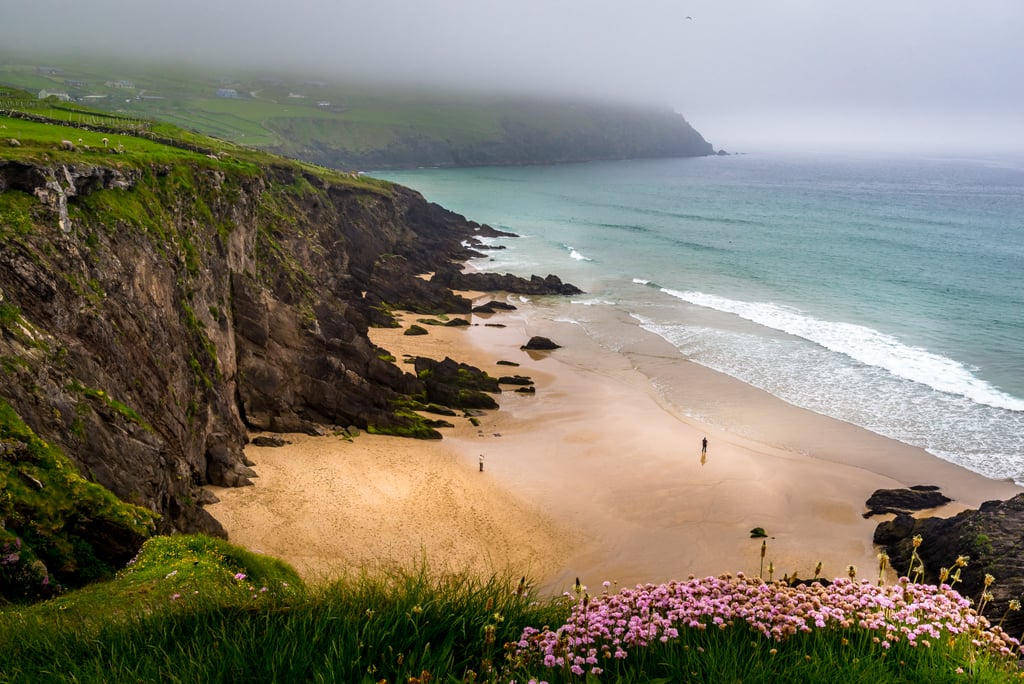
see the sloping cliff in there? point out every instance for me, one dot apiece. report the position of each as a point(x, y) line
point(153, 312)
point(510, 132)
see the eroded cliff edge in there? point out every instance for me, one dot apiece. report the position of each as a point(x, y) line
point(152, 313)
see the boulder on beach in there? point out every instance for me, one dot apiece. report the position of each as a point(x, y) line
point(916, 498)
point(540, 343)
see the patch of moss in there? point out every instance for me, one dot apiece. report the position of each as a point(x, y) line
point(409, 424)
point(9, 313)
point(54, 519)
point(13, 364)
point(16, 213)
point(118, 407)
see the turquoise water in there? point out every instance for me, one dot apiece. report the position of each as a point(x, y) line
point(888, 293)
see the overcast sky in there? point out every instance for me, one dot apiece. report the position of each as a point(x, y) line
point(748, 74)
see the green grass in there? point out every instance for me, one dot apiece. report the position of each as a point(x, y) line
point(197, 609)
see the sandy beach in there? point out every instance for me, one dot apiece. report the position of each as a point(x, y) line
point(591, 477)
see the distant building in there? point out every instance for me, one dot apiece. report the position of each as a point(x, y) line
point(121, 83)
point(228, 93)
point(63, 97)
point(323, 104)
point(296, 96)
point(49, 71)
point(71, 83)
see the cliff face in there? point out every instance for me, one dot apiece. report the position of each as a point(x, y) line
point(152, 313)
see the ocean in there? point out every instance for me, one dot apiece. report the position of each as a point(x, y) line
point(884, 292)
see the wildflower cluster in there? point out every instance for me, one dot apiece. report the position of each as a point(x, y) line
point(607, 627)
point(240, 585)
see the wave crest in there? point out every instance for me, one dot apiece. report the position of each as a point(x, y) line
point(863, 344)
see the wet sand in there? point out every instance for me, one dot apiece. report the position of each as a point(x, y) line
point(591, 477)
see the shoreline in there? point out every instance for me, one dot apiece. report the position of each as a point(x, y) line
point(595, 476)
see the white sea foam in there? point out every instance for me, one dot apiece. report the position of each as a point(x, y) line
point(865, 345)
point(951, 426)
point(574, 254)
point(592, 302)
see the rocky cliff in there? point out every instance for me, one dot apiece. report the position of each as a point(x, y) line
point(153, 312)
point(989, 538)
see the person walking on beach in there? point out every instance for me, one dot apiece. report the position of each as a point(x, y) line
point(704, 447)
point(481, 463)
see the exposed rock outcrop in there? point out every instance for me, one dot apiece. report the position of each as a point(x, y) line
point(916, 498)
point(455, 384)
point(991, 536)
point(505, 282)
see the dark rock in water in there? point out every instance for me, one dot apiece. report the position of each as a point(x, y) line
point(269, 441)
point(503, 282)
point(493, 307)
point(526, 390)
point(494, 325)
point(415, 330)
point(540, 343)
point(991, 536)
point(457, 323)
point(917, 498)
point(507, 363)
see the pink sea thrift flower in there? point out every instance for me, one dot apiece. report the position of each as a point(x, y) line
point(646, 614)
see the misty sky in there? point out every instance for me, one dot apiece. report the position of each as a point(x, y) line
point(748, 74)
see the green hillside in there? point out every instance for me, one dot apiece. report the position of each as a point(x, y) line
point(356, 126)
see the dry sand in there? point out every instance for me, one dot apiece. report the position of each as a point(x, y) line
point(591, 477)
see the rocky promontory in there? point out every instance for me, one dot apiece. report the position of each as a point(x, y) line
point(155, 311)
